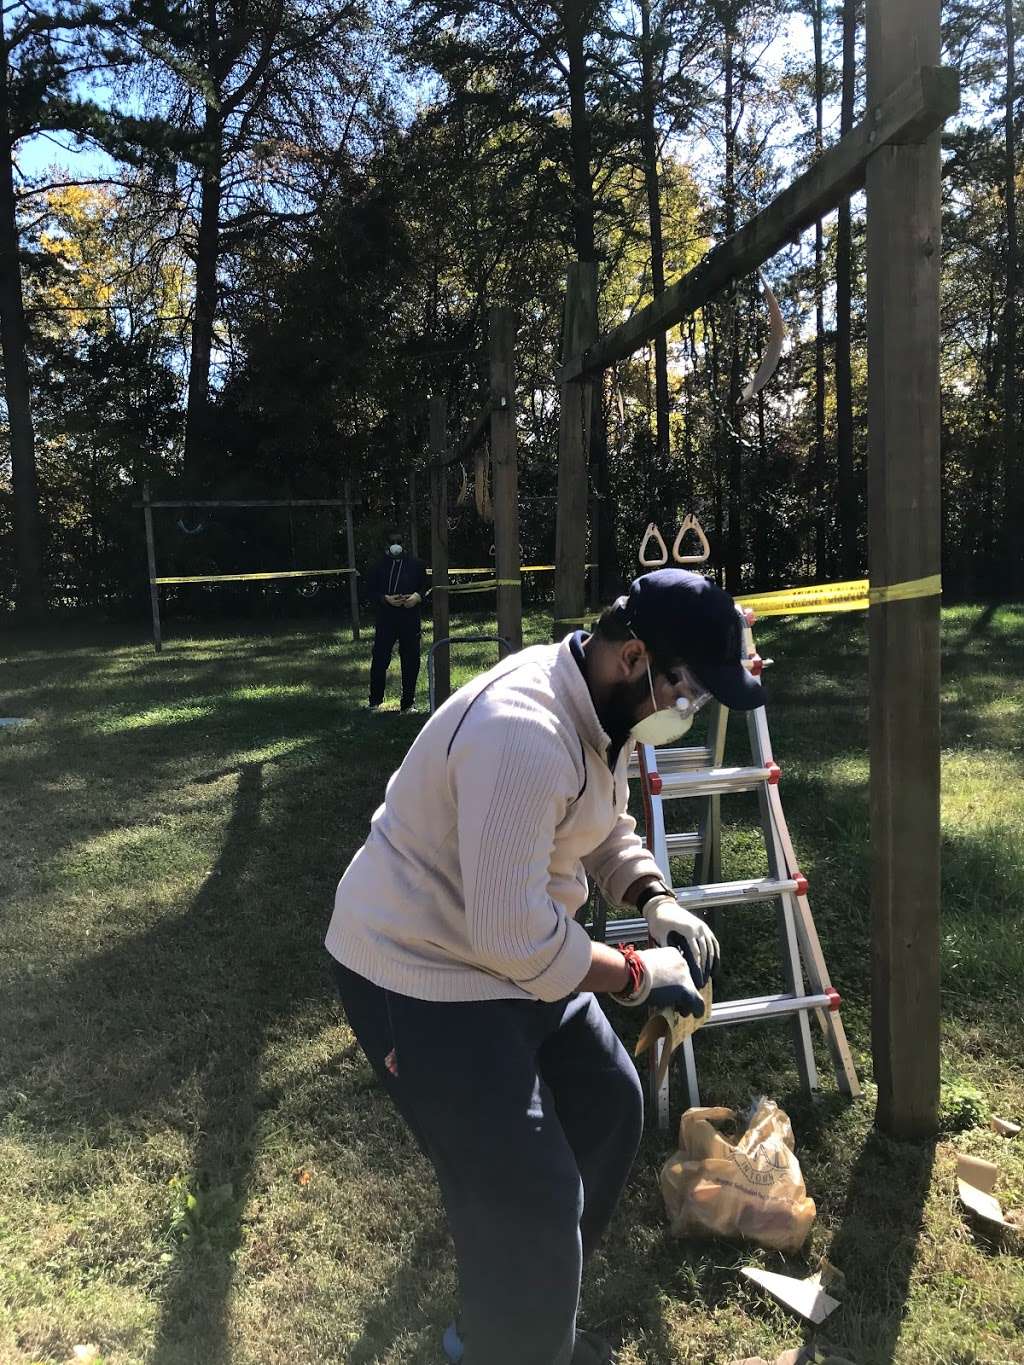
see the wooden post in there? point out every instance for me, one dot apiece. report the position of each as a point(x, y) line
point(414, 539)
point(903, 227)
point(578, 332)
point(353, 583)
point(439, 546)
point(595, 553)
point(502, 332)
point(154, 591)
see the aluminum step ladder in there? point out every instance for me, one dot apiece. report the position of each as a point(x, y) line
point(698, 774)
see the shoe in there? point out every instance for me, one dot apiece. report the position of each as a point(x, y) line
point(409, 710)
point(373, 707)
point(590, 1349)
point(451, 1343)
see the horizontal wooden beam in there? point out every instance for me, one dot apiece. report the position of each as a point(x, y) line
point(920, 105)
point(472, 438)
point(251, 502)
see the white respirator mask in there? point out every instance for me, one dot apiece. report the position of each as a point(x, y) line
point(395, 550)
point(668, 724)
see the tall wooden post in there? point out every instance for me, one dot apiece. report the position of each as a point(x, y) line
point(502, 332)
point(154, 591)
point(414, 536)
point(579, 329)
point(903, 224)
point(439, 545)
point(353, 584)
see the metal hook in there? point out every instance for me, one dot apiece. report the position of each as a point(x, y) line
point(652, 533)
point(690, 523)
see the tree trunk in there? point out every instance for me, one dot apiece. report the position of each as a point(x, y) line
point(649, 145)
point(734, 533)
point(821, 489)
point(197, 417)
point(1012, 483)
point(849, 560)
point(28, 531)
point(579, 119)
point(584, 234)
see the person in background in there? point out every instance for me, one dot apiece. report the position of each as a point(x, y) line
point(397, 585)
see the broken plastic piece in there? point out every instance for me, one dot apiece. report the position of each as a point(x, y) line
point(774, 773)
point(773, 351)
point(1004, 1127)
point(654, 782)
point(834, 998)
point(805, 1297)
point(801, 884)
point(976, 1179)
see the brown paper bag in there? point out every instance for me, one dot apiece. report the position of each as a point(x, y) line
point(753, 1189)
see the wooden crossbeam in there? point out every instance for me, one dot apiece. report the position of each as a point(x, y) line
point(454, 454)
point(919, 106)
point(248, 502)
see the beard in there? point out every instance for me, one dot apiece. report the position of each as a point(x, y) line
point(621, 709)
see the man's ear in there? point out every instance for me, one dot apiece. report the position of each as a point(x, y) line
point(633, 657)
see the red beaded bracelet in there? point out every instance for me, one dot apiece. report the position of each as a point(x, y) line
point(636, 969)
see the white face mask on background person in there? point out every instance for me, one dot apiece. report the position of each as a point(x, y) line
point(395, 550)
point(667, 724)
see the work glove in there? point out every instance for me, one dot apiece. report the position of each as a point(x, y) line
point(413, 600)
point(671, 925)
point(665, 979)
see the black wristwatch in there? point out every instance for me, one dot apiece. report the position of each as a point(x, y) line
point(649, 892)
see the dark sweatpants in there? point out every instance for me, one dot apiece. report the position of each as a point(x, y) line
point(401, 624)
point(531, 1114)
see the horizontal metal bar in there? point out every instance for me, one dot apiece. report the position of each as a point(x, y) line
point(910, 114)
point(711, 781)
point(713, 895)
point(676, 760)
point(626, 931)
point(765, 1007)
point(679, 844)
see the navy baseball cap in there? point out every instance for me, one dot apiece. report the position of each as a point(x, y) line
point(684, 617)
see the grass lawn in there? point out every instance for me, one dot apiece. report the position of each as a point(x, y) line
point(196, 1165)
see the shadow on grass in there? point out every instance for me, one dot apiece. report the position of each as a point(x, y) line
point(194, 1305)
point(876, 1245)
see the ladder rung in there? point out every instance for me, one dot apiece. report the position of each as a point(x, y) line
point(711, 895)
point(676, 760)
point(678, 844)
point(767, 1007)
point(626, 931)
point(714, 781)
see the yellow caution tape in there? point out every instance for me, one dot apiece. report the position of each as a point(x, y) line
point(853, 595)
point(902, 592)
point(250, 577)
point(525, 568)
point(848, 596)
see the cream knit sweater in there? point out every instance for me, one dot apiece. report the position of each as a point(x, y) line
point(478, 859)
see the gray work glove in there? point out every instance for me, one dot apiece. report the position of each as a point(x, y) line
point(671, 925)
point(666, 980)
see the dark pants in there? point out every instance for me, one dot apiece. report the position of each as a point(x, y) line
point(531, 1114)
point(401, 624)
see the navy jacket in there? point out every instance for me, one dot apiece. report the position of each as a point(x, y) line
point(395, 577)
